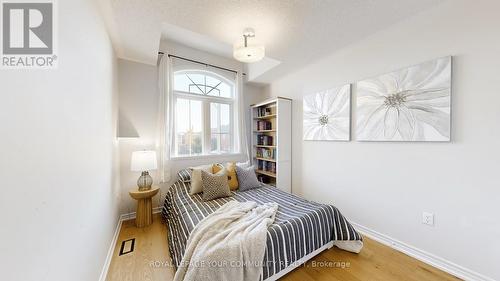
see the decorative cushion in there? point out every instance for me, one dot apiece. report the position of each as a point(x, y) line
point(215, 186)
point(184, 175)
point(217, 167)
point(246, 178)
point(196, 180)
point(243, 164)
point(231, 174)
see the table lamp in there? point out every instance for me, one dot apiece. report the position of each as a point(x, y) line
point(143, 161)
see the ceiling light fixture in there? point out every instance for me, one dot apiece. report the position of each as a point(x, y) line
point(248, 52)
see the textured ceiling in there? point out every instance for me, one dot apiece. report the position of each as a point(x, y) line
point(294, 32)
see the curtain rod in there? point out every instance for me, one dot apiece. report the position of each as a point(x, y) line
point(199, 62)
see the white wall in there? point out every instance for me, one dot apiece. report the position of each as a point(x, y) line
point(139, 105)
point(386, 186)
point(59, 159)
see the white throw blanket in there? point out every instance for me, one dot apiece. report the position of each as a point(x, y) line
point(228, 244)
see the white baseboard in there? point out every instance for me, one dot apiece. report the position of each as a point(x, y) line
point(428, 258)
point(129, 216)
point(111, 250)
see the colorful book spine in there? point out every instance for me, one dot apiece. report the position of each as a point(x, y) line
point(267, 153)
point(263, 111)
point(264, 125)
point(264, 140)
point(266, 166)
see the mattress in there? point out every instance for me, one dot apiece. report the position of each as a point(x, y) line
point(300, 226)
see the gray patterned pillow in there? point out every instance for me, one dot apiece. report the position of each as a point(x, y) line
point(246, 178)
point(184, 175)
point(215, 186)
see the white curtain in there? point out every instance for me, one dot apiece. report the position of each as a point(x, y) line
point(165, 117)
point(241, 116)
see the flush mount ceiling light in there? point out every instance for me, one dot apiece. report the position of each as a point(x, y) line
point(248, 52)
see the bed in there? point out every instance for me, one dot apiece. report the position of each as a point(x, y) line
point(301, 230)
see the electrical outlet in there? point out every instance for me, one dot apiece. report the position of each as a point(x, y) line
point(428, 218)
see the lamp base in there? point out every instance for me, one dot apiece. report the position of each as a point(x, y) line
point(145, 181)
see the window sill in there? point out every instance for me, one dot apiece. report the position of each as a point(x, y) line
point(206, 156)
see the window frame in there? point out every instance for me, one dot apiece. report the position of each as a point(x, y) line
point(231, 127)
point(174, 149)
point(206, 101)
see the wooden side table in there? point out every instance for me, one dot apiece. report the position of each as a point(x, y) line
point(144, 215)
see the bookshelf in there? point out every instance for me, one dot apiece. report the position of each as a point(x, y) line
point(271, 142)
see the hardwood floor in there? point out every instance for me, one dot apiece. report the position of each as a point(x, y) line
point(150, 261)
point(150, 249)
point(375, 262)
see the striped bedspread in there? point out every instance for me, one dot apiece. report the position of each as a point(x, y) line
point(300, 226)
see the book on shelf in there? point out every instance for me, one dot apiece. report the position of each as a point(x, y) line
point(266, 166)
point(264, 111)
point(266, 180)
point(264, 125)
point(264, 140)
point(267, 153)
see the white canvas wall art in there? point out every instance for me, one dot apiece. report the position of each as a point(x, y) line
point(327, 115)
point(412, 104)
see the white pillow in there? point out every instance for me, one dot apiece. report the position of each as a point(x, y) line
point(196, 182)
point(243, 164)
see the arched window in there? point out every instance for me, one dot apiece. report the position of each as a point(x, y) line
point(203, 119)
point(203, 83)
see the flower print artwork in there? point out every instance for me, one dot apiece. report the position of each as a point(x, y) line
point(327, 114)
point(407, 105)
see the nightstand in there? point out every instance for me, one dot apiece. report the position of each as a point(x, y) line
point(144, 215)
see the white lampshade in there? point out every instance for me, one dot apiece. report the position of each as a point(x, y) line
point(249, 53)
point(143, 161)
